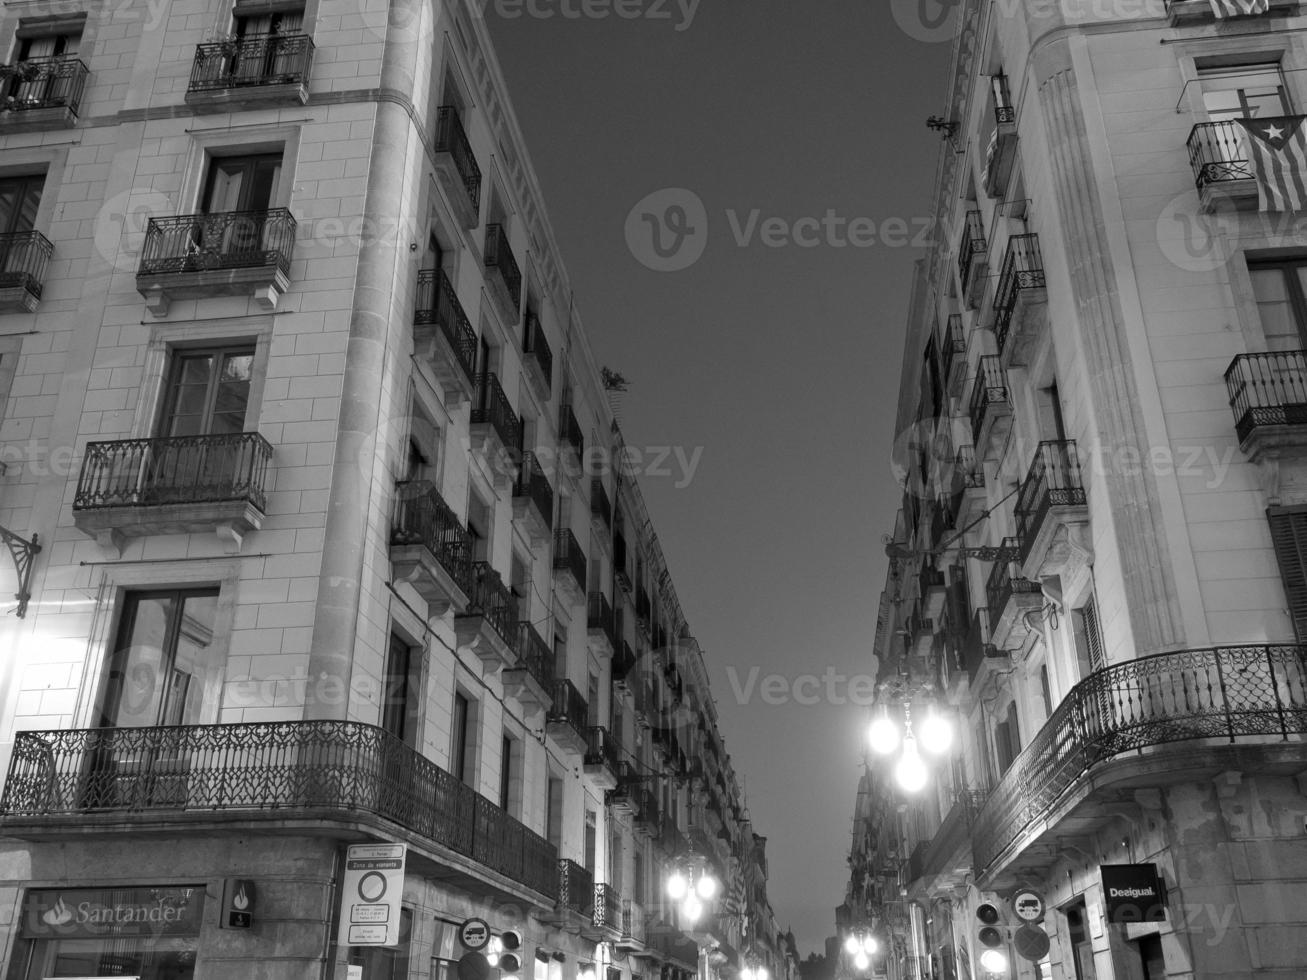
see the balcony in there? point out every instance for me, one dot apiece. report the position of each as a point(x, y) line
point(334, 773)
point(601, 509)
point(231, 253)
point(538, 359)
point(944, 861)
point(599, 624)
point(443, 337)
point(533, 499)
point(1189, 12)
point(647, 822)
point(488, 625)
point(569, 429)
point(632, 939)
point(251, 72)
point(620, 574)
point(953, 355)
point(576, 896)
point(990, 410)
point(456, 167)
point(567, 719)
point(530, 679)
point(977, 651)
point(973, 260)
point(643, 610)
point(570, 567)
point(24, 256)
point(1010, 594)
point(602, 757)
point(41, 93)
point(503, 278)
point(930, 587)
point(430, 548)
point(623, 663)
point(1181, 716)
point(608, 912)
point(1052, 513)
point(1001, 142)
point(495, 428)
point(1020, 300)
point(180, 485)
point(1268, 393)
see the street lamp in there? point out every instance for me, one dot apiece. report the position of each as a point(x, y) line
point(860, 946)
point(934, 734)
point(691, 884)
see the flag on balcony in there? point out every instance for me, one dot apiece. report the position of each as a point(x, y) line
point(1239, 8)
point(1277, 149)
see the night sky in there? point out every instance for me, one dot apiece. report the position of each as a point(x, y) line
point(773, 357)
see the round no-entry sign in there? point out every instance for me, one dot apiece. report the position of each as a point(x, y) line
point(474, 933)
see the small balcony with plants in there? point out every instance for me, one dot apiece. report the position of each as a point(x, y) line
point(41, 93)
point(430, 548)
point(488, 624)
point(251, 71)
point(443, 338)
point(456, 166)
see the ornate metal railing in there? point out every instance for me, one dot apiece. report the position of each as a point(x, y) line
point(24, 256)
point(499, 257)
point(1053, 481)
point(532, 484)
point(1023, 268)
point(576, 887)
point(633, 927)
point(973, 243)
point(600, 506)
point(954, 346)
point(964, 463)
point(422, 517)
point(602, 748)
point(534, 654)
point(568, 556)
point(437, 302)
point(599, 615)
point(608, 907)
point(1213, 693)
point(536, 347)
point(452, 139)
point(1218, 152)
point(491, 406)
point(253, 60)
point(990, 388)
point(1003, 581)
point(225, 240)
point(43, 83)
point(570, 429)
point(340, 767)
point(1268, 388)
point(491, 599)
point(176, 470)
point(569, 707)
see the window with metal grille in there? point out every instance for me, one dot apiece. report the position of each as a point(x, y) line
point(1289, 537)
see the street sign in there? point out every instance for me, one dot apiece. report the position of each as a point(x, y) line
point(474, 933)
point(1134, 892)
point(1028, 905)
point(1031, 943)
point(370, 893)
point(237, 904)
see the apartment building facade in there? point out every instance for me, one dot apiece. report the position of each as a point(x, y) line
point(322, 529)
point(1096, 569)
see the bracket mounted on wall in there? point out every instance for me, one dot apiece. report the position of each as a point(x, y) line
point(23, 552)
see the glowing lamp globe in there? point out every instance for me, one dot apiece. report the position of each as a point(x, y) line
point(993, 961)
point(851, 945)
point(677, 886)
point(861, 961)
point(706, 887)
point(692, 908)
point(869, 945)
point(910, 773)
point(883, 735)
point(935, 733)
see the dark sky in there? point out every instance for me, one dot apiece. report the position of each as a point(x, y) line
point(781, 361)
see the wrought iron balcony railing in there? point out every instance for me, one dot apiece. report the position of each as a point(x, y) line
point(491, 599)
point(570, 429)
point(990, 388)
point(490, 405)
point(608, 908)
point(1234, 693)
point(452, 139)
point(43, 83)
point(499, 258)
point(576, 888)
point(1052, 481)
point(536, 348)
point(1268, 388)
point(252, 61)
point(176, 470)
point(643, 608)
point(633, 922)
point(1218, 153)
point(973, 244)
point(602, 748)
point(437, 302)
point(599, 615)
point(329, 769)
point(1023, 268)
point(954, 348)
point(600, 506)
point(422, 517)
point(532, 483)
point(215, 242)
point(1003, 581)
point(534, 654)
point(569, 558)
point(24, 256)
point(569, 707)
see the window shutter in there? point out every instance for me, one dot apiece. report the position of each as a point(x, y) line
point(1093, 638)
point(1289, 536)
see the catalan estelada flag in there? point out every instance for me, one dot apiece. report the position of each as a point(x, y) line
point(1277, 150)
point(1239, 8)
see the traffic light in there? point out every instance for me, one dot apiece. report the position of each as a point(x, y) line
point(991, 937)
point(510, 953)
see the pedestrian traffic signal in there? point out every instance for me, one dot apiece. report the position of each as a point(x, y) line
point(991, 936)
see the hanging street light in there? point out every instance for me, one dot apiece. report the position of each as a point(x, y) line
point(860, 946)
point(935, 736)
point(692, 884)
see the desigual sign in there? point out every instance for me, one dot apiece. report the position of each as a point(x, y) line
point(1134, 893)
point(81, 913)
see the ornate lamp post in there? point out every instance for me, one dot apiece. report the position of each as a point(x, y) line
point(691, 885)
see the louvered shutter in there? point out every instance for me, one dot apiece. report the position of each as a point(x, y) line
point(1289, 536)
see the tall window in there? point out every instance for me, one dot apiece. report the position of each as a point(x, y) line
point(1007, 739)
point(479, 522)
point(40, 45)
point(20, 199)
point(1082, 951)
point(506, 772)
point(1244, 91)
point(159, 671)
point(1280, 288)
point(554, 811)
point(208, 392)
point(242, 183)
point(461, 743)
point(399, 706)
point(1088, 639)
point(1289, 538)
point(591, 840)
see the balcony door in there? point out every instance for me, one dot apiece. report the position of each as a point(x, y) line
point(1280, 289)
point(238, 193)
point(265, 55)
point(37, 81)
point(1243, 92)
point(20, 199)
